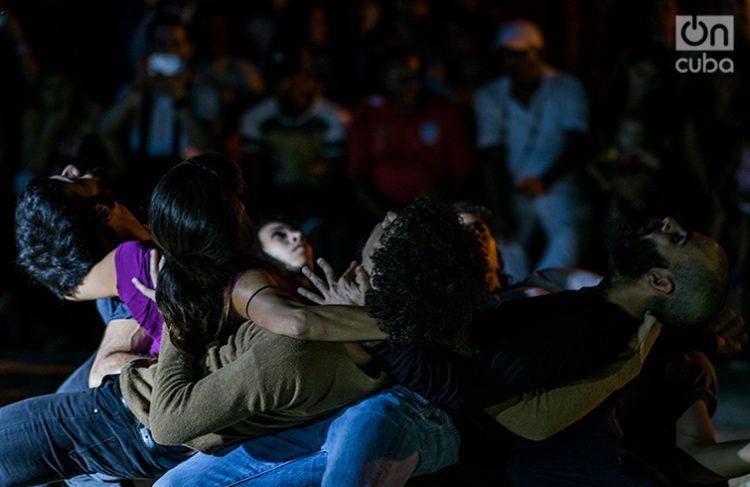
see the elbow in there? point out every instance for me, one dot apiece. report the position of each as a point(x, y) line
point(695, 468)
point(167, 432)
point(166, 425)
point(543, 434)
point(292, 323)
point(538, 433)
point(298, 325)
point(167, 436)
point(295, 324)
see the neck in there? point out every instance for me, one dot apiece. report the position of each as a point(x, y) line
point(126, 226)
point(626, 295)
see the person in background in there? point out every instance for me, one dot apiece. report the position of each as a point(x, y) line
point(226, 81)
point(531, 124)
point(59, 126)
point(629, 172)
point(407, 142)
point(294, 145)
point(157, 120)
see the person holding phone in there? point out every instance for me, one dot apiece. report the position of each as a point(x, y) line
point(158, 120)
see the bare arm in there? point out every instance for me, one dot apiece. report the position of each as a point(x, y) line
point(100, 282)
point(257, 297)
point(124, 340)
point(695, 436)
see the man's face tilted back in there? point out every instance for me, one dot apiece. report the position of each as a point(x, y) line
point(67, 223)
point(681, 247)
point(686, 272)
point(373, 241)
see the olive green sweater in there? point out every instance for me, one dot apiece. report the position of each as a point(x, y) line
point(257, 383)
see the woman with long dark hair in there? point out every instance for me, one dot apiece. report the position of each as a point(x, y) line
point(213, 383)
point(211, 273)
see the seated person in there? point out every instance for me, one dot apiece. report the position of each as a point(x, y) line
point(207, 411)
point(427, 233)
point(64, 225)
point(680, 277)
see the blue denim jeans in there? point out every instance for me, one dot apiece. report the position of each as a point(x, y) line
point(59, 436)
point(109, 309)
point(381, 440)
point(79, 380)
point(76, 382)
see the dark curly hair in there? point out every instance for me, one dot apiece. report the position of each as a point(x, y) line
point(59, 237)
point(198, 219)
point(428, 276)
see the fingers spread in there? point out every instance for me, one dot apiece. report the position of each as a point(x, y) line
point(310, 295)
point(315, 280)
point(327, 271)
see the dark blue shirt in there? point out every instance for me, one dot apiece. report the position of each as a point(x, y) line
point(520, 345)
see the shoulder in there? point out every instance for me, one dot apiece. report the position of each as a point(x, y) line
point(493, 88)
point(255, 278)
point(264, 110)
point(330, 113)
point(132, 253)
point(563, 81)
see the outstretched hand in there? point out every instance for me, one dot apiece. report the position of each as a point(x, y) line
point(349, 289)
point(156, 262)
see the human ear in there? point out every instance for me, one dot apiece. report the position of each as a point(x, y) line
point(660, 280)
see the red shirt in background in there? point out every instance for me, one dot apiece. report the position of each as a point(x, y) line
point(406, 153)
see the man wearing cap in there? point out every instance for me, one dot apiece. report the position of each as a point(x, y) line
point(530, 123)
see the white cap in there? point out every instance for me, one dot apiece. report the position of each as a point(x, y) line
point(519, 35)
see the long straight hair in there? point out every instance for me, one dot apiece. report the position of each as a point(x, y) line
point(198, 219)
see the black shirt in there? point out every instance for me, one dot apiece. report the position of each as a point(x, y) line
point(520, 345)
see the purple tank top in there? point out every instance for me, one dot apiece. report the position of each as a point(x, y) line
point(132, 260)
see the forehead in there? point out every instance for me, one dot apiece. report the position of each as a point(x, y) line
point(373, 240)
point(699, 249)
point(80, 187)
point(271, 227)
point(468, 218)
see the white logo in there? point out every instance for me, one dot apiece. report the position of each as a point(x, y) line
point(704, 33)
